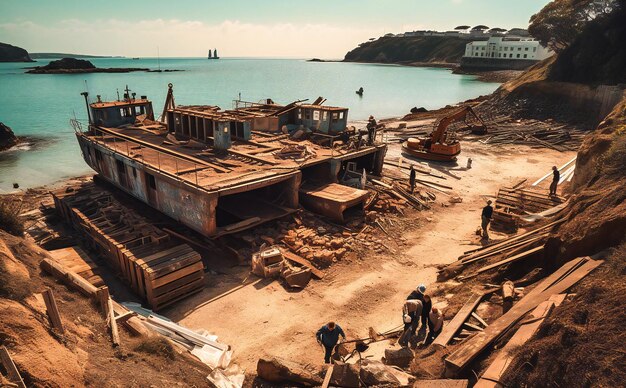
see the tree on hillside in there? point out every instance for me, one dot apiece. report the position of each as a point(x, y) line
point(497, 30)
point(462, 28)
point(559, 22)
point(480, 27)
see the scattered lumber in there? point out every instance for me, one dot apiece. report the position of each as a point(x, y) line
point(512, 203)
point(329, 374)
point(78, 261)
point(492, 375)
point(9, 366)
point(558, 282)
point(302, 261)
point(277, 370)
point(53, 310)
point(508, 260)
point(451, 328)
point(563, 167)
point(442, 383)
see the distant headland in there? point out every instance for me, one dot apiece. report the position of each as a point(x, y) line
point(9, 53)
point(74, 66)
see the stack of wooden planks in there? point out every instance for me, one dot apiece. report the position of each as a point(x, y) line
point(511, 203)
point(157, 269)
point(558, 282)
point(76, 260)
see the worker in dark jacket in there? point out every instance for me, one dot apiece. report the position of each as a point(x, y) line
point(486, 219)
point(419, 294)
point(372, 125)
point(412, 179)
point(556, 177)
point(435, 325)
point(328, 335)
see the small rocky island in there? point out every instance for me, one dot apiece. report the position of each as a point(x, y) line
point(7, 137)
point(78, 66)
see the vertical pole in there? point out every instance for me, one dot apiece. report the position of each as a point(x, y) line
point(115, 335)
point(102, 294)
point(53, 310)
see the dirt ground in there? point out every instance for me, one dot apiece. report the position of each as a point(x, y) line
point(258, 317)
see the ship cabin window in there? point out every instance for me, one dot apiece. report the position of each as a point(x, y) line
point(340, 115)
point(335, 116)
point(307, 114)
point(324, 115)
point(316, 115)
point(299, 114)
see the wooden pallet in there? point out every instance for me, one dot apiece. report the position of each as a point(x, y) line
point(158, 269)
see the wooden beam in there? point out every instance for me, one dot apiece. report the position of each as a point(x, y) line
point(495, 371)
point(511, 259)
point(53, 310)
point(565, 277)
point(9, 365)
point(300, 260)
point(450, 329)
point(115, 335)
point(479, 319)
point(102, 295)
point(61, 272)
point(329, 374)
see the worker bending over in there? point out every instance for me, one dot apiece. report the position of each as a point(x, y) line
point(328, 335)
point(435, 325)
point(486, 219)
point(411, 314)
point(556, 177)
point(412, 179)
point(419, 294)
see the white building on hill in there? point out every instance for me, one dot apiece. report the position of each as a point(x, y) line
point(507, 48)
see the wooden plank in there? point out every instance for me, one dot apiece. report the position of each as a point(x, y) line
point(300, 260)
point(115, 335)
point(329, 374)
point(495, 371)
point(450, 329)
point(53, 310)
point(565, 277)
point(9, 366)
point(102, 295)
point(441, 383)
point(479, 319)
point(71, 278)
point(472, 327)
point(505, 261)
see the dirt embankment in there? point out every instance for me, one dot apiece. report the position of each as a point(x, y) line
point(82, 355)
point(582, 343)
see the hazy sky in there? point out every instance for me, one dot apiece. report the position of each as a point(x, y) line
point(268, 28)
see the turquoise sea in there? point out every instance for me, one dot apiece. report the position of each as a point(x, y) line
point(40, 106)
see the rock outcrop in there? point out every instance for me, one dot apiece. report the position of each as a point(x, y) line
point(77, 66)
point(9, 53)
point(7, 137)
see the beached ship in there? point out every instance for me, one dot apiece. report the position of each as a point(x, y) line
point(223, 171)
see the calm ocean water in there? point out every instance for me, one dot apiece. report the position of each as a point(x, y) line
point(41, 106)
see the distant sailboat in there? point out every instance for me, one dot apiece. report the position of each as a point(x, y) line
point(213, 55)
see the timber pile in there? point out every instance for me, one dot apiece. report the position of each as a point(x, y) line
point(514, 202)
point(513, 249)
point(157, 269)
point(533, 133)
point(558, 282)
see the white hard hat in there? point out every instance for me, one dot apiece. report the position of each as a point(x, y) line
point(421, 288)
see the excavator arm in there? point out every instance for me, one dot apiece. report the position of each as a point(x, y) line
point(438, 135)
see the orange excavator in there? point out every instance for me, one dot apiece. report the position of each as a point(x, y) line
point(442, 144)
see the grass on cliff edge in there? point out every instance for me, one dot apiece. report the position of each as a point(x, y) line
point(9, 217)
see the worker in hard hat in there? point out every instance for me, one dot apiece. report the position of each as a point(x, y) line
point(411, 313)
point(420, 294)
point(435, 325)
point(556, 177)
point(412, 179)
point(486, 219)
point(328, 336)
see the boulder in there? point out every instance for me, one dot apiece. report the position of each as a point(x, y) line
point(345, 375)
point(7, 137)
point(278, 370)
point(374, 373)
point(399, 357)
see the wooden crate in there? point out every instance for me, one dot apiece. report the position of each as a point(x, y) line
point(158, 269)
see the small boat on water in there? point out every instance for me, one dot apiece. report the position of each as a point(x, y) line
point(213, 55)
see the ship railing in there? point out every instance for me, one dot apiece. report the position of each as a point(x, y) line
point(77, 125)
point(126, 147)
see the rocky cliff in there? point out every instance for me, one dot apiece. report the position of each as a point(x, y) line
point(7, 137)
point(10, 53)
point(422, 49)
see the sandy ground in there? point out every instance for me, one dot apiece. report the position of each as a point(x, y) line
point(261, 318)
